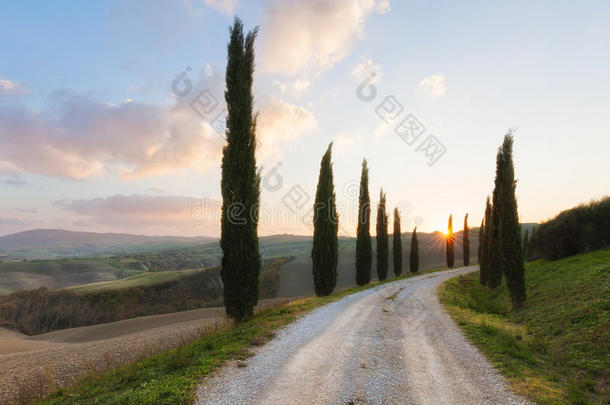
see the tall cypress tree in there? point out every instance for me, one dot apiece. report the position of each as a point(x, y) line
point(450, 243)
point(494, 248)
point(382, 238)
point(484, 245)
point(481, 255)
point(240, 183)
point(397, 244)
point(526, 242)
point(414, 254)
point(510, 230)
point(325, 250)
point(466, 242)
point(364, 249)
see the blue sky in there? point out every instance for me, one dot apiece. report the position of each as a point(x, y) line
point(96, 139)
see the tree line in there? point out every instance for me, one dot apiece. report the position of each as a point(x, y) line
point(580, 229)
point(324, 252)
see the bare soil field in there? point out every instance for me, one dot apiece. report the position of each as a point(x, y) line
point(34, 366)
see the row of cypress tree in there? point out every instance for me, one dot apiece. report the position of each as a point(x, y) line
point(364, 256)
point(240, 187)
point(500, 243)
point(324, 252)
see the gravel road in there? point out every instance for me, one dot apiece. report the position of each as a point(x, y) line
point(392, 344)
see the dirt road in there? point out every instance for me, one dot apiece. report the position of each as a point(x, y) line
point(388, 345)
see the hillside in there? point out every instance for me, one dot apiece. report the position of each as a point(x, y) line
point(295, 276)
point(556, 349)
point(56, 243)
point(296, 279)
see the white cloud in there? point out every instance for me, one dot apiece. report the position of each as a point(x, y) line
point(366, 68)
point(381, 129)
point(10, 88)
point(281, 122)
point(294, 88)
point(382, 6)
point(434, 85)
point(313, 35)
point(224, 6)
point(345, 141)
point(78, 136)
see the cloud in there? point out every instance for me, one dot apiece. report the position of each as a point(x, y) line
point(281, 122)
point(78, 135)
point(366, 68)
point(313, 35)
point(10, 89)
point(381, 129)
point(157, 190)
point(15, 183)
point(26, 210)
point(155, 214)
point(434, 85)
point(119, 207)
point(11, 221)
point(293, 88)
point(224, 6)
point(345, 141)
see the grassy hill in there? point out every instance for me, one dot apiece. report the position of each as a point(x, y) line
point(556, 349)
point(295, 275)
point(57, 243)
point(138, 280)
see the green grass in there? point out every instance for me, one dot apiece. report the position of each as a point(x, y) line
point(171, 377)
point(554, 350)
point(138, 280)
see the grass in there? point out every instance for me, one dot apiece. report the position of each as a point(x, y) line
point(554, 350)
point(171, 377)
point(138, 280)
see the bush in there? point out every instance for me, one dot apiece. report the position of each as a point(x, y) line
point(581, 229)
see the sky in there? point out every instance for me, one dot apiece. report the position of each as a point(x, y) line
point(111, 113)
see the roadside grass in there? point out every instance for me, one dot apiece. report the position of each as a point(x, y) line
point(554, 350)
point(172, 376)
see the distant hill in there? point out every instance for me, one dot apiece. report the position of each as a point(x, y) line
point(92, 258)
point(296, 278)
point(56, 243)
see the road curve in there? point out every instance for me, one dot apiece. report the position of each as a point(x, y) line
point(392, 344)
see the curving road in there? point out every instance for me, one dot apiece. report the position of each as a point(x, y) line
point(392, 344)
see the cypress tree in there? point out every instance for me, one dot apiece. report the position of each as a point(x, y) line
point(466, 242)
point(382, 238)
point(450, 243)
point(510, 230)
point(240, 183)
point(414, 254)
point(494, 248)
point(481, 255)
point(364, 249)
point(525, 244)
point(397, 244)
point(485, 254)
point(325, 250)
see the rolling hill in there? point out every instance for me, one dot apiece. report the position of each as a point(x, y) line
point(56, 243)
